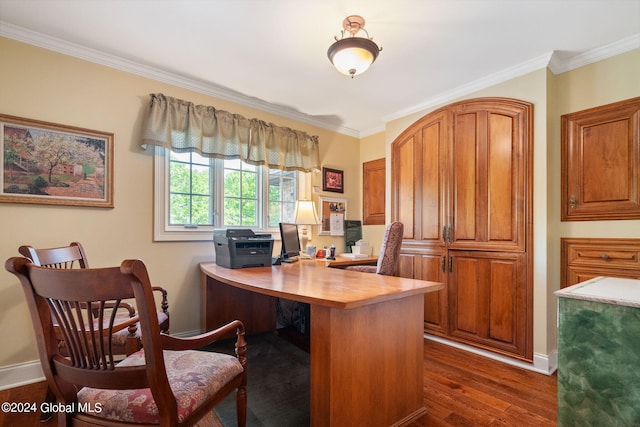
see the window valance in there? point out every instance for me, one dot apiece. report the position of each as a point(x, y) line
point(183, 126)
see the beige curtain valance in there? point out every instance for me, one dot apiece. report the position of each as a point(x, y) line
point(183, 126)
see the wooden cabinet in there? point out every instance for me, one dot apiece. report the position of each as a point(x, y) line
point(586, 258)
point(430, 265)
point(461, 184)
point(373, 192)
point(485, 299)
point(601, 162)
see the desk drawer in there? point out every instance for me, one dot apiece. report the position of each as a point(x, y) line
point(602, 257)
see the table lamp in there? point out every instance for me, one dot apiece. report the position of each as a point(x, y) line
point(305, 215)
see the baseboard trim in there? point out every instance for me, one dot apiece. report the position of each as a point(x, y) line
point(20, 374)
point(542, 363)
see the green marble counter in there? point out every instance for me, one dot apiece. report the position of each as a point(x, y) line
point(599, 354)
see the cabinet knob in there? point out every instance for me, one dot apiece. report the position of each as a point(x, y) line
point(604, 256)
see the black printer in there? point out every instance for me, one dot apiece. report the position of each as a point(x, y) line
point(241, 247)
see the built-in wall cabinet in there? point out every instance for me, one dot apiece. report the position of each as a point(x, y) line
point(373, 192)
point(461, 184)
point(601, 162)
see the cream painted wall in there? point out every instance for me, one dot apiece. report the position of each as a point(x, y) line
point(43, 85)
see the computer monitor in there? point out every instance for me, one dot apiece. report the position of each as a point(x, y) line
point(290, 240)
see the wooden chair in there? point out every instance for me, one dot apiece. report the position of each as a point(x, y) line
point(125, 341)
point(167, 383)
point(389, 257)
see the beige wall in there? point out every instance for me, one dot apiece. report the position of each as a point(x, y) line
point(43, 85)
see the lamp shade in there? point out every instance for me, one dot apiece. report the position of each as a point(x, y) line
point(306, 213)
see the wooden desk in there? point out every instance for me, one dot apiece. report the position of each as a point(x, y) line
point(367, 334)
point(344, 261)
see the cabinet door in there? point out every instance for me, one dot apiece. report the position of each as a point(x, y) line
point(373, 190)
point(487, 295)
point(404, 185)
point(419, 179)
point(434, 178)
point(490, 176)
point(434, 267)
point(430, 266)
point(601, 162)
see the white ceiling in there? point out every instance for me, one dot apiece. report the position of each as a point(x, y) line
point(271, 54)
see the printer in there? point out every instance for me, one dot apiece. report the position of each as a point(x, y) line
point(239, 248)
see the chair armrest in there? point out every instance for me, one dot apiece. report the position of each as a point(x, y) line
point(170, 342)
point(123, 306)
point(121, 325)
point(164, 305)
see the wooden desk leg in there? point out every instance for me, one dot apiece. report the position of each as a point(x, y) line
point(367, 364)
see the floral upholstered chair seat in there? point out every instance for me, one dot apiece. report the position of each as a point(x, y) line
point(193, 375)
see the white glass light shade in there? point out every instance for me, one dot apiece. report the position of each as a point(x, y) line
point(353, 55)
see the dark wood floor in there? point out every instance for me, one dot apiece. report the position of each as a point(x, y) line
point(460, 389)
point(464, 389)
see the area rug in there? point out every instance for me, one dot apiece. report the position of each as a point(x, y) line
point(278, 383)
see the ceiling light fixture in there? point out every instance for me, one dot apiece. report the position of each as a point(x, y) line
point(352, 55)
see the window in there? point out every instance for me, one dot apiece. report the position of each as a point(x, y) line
point(190, 190)
point(195, 194)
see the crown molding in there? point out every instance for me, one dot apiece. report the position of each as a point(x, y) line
point(558, 65)
point(82, 52)
point(552, 60)
point(491, 80)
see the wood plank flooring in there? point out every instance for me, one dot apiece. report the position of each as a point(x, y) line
point(460, 389)
point(464, 389)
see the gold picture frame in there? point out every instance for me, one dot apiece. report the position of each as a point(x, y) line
point(48, 163)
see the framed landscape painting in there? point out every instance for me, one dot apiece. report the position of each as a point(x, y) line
point(47, 163)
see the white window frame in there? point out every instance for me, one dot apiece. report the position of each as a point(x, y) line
point(162, 231)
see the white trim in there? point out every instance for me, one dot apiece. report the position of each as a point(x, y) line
point(612, 49)
point(21, 374)
point(58, 45)
point(542, 364)
point(550, 60)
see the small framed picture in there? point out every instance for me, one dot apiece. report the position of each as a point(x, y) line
point(332, 180)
